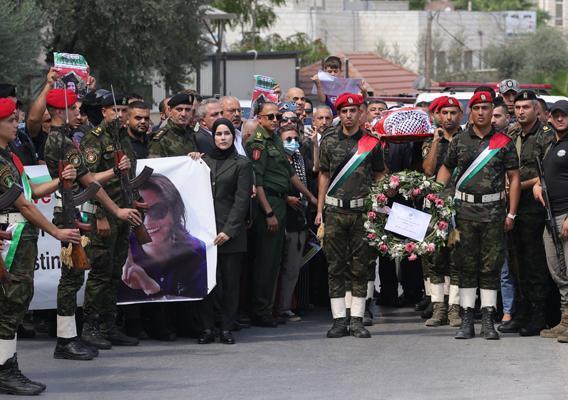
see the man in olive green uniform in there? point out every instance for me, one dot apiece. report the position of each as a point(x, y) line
point(482, 159)
point(110, 241)
point(531, 139)
point(442, 269)
point(344, 244)
point(273, 174)
point(176, 138)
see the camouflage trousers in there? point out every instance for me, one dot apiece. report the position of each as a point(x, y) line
point(15, 297)
point(530, 269)
point(480, 253)
point(443, 265)
point(346, 250)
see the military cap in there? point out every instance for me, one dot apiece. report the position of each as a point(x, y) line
point(108, 101)
point(507, 85)
point(7, 90)
point(448, 102)
point(181, 98)
point(560, 105)
point(480, 97)
point(7, 107)
point(433, 107)
point(56, 98)
point(348, 99)
point(526, 95)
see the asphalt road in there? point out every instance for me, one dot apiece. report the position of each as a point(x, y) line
point(403, 360)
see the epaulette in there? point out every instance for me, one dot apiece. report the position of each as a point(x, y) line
point(258, 136)
point(546, 128)
point(97, 131)
point(158, 135)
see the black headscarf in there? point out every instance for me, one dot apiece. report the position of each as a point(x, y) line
point(217, 153)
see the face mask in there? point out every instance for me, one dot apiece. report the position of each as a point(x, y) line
point(291, 147)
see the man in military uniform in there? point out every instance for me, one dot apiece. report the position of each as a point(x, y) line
point(442, 269)
point(176, 138)
point(273, 175)
point(532, 275)
point(482, 159)
point(69, 346)
point(344, 245)
point(110, 241)
point(508, 89)
point(25, 218)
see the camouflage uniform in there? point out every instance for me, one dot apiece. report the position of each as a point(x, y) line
point(172, 140)
point(531, 272)
point(272, 172)
point(480, 253)
point(71, 279)
point(344, 231)
point(16, 296)
point(107, 254)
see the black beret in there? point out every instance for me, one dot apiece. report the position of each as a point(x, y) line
point(7, 90)
point(180, 98)
point(121, 100)
point(526, 95)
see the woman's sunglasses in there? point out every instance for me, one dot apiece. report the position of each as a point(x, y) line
point(157, 211)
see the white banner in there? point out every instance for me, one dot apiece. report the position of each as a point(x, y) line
point(180, 267)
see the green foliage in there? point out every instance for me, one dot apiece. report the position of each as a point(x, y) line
point(125, 42)
point(495, 5)
point(310, 50)
point(250, 13)
point(534, 58)
point(20, 35)
point(417, 4)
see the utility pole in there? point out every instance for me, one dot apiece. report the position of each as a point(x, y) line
point(428, 51)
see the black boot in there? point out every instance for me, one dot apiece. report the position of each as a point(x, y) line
point(206, 337)
point(357, 329)
point(114, 335)
point(466, 331)
point(488, 323)
point(422, 304)
point(428, 311)
point(12, 381)
point(536, 323)
point(72, 349)
point(339, 328)
point(368, 316)
point(93, 336)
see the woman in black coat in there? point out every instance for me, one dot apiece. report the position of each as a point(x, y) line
point(231, 183)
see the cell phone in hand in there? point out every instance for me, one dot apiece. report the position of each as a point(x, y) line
point(308, 121)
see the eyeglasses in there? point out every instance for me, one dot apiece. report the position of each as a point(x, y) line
point(309, 111)
point(272, 117)
point(290, 119)
point(157, 211)
point(290, 139)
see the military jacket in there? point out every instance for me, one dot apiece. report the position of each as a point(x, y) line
point(442, 149)
point(529, 147)
point(334, 148)
point(270, 163)
point(98, 147)
point(172, 140)
point(490, 179)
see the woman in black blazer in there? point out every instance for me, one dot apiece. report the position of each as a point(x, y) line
point(231, 183)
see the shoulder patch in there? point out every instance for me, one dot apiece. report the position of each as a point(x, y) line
point(6, 176)
point(256, 153)
point(91, 156)
point(74, 158)
point(158, 135)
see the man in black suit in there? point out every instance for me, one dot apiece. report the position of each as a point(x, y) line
point(208, 112)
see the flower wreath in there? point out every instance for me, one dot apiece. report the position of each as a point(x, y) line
point(422, 192)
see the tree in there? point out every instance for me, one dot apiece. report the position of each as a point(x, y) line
point(502, 5)
point(126, 42)
point(250, 13)
point(20, 35)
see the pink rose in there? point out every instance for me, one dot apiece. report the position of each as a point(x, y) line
point(410, 247)
point(431, 247)
point(431, 197)
point(371, 215)
point(416, 192)
point(412, 257)
point(381, 198)
point(442, 225)
point(439, 203)
point(383, 248)
point(394, 182)
point(371, 236)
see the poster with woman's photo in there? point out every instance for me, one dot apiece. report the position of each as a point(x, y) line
point(179, 263)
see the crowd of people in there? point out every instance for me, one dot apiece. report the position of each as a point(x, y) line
point(290, 170)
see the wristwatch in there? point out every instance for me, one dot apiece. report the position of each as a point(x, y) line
point(511, 216)
point(270, 214)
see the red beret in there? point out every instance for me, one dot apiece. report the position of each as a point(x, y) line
point(433, 107)
point(449, 102)
point(348, 99)
point(7, 107)
point(480, 97)
point(56, 98)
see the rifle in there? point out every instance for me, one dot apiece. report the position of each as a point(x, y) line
point(127, 185)
point(70, 201)
point(6, 200)
point(550, 221)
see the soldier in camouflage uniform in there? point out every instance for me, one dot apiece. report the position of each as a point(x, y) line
point(344, 243)
point(110, 241)
point(531, 139)
point(176, 138)
point(273, 176)
point(482, 159)
point(69, 346)
point(442, 269)
point(25, 218)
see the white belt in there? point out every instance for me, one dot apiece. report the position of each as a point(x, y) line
point(476, 198)
point(11, 218)
point(85, 207)
point(332, 201)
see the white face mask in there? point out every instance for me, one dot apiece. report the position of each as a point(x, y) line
point(292, 146)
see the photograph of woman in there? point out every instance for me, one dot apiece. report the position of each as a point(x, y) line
point(174, 264)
